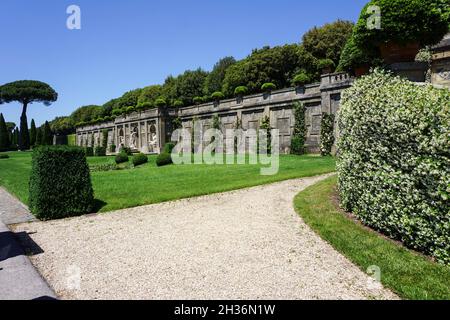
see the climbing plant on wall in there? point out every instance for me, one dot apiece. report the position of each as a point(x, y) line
point(105, 138)
point(326, 134)
point(299, 135)
point(265, 126)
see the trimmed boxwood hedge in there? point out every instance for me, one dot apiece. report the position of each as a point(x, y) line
point(164, 159)
point(139, 158)
point(121, 157)
point(60, 183)
point(394, 160)
point(4, 156)
point(100, 151)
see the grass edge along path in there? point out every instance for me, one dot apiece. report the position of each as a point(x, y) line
point(407, 273)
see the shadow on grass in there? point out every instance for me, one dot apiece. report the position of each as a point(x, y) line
point(98, 205)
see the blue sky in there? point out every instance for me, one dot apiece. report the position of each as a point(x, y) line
point(123, 45)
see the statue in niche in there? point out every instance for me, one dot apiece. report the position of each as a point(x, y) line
point(133, 139)
point(153, 139)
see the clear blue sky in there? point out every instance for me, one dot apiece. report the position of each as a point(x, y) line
point(124, 45)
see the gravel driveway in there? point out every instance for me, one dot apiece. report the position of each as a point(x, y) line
point(245, 244)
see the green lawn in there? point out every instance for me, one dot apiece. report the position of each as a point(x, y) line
point(151, 184)
point(407, 273)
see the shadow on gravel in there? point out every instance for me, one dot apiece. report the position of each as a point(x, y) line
point(30, 247)
point(8, 247)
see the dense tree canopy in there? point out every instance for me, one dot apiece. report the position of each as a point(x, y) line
point(214, 80)
point(62, 125)
point(27, 91)
point(327, 42)
point(278, 65)
point(150, 94)
point(405, 21)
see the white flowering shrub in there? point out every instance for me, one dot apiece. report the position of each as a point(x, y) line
point(394, 160)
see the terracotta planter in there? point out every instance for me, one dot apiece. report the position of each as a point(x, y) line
point(394, 52)
point(361, 70)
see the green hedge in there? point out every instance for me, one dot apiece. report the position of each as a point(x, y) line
point(4, 156)
point(164, 159)
point(100, 151)
point(394, 160)
point(121, 157)
point(60, 183)
point(139, 158)
point(404, 21)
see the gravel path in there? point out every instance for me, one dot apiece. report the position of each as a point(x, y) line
point(245, 244)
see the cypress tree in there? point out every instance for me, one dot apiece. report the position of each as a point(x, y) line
point(33, 133)
point(39, 136)
point(4, 135)
point(24, 136)
point(47, 137)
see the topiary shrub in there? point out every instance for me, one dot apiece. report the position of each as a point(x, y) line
point(404, 21)
point(112, 148)
point(326, 134)
point(60, 183)
point(4, 156)
point(268, 86)
point(178, 103)
point(160, 102)
point(217, 96)
point(240, 91)
point(299, 135)
point(164, 159)
point(121, 157)
point(89, 151)
point(394, 160)
point(198, 100)
point(100, 151)
point(326, 64)
point(144, 106)
point(301, 79)
point(139, 158)
point(126, 150)
point(130, 109)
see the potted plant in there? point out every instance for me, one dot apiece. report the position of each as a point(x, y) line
point(178, 104)
point(239, 92)
point(300, 80)
point(160, 102)
point(217, 96)
point(406, 26)
point(198, 100)
point(326, 66)
point(268, 87)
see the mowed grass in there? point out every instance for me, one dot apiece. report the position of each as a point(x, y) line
point(149, 184)
point(405, 272)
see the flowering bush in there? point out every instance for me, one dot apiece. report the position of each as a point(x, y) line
point(326, 134)
point(394, 160)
